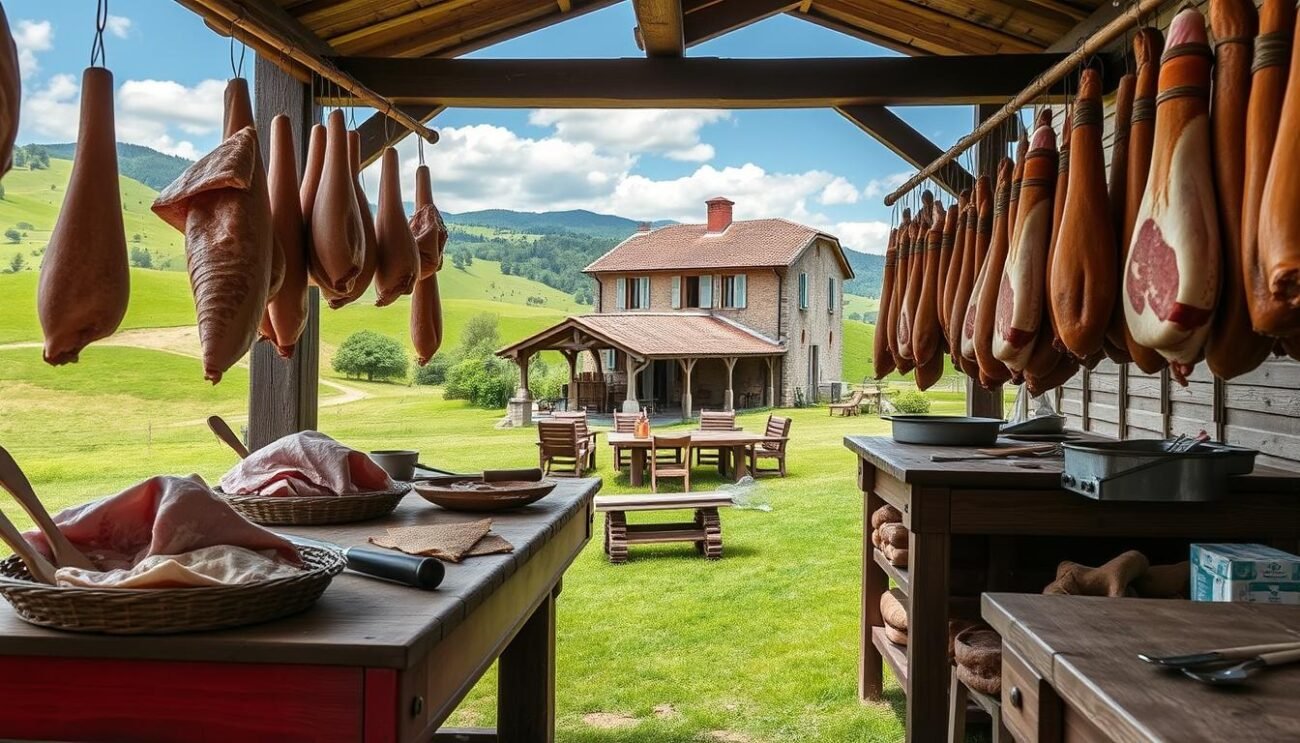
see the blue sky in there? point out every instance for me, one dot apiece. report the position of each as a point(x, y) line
point(808, 165)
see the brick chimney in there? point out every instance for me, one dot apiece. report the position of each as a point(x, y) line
point(719, 213)
point(643, 227)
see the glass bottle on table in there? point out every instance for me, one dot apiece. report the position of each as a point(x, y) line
point(642, 426)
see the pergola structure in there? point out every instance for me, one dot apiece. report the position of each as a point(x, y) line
point(400, 57)
point(686, 338)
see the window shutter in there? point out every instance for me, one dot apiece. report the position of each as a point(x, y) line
point(677, 292)
point(620, 293)
point(643, 292)
point(830, 295)
point(803, 291)
point(706, 292)
point(741, 291)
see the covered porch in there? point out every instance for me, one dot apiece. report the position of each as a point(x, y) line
point(656, 361)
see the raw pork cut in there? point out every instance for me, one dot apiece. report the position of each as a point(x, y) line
point(427, 227)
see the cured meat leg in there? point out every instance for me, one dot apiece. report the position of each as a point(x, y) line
point(287, 310)
point(238, 114)
point(85, 281)
point(1171, 280)
point(882, 360)
point(1115, 345)
point(1017, 175)
point(1020, 292)
point(901, 362)
point(11, 94)
point(971, 265)
point(927, 332)
point(1279, 222)
point(915, 273)
point(426, 319)
point(977, 332)
point(398, 263)
point(226, 231)
point(370, 260)
point(955, 219)
point(1233, 347)
point(337, 237)
point(1084, 264)
point(427, 226)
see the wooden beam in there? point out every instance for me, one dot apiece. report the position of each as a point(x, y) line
point(699, 82)
point(462, 41)
point(909, 144)
point(659, 27)
point(376, 134)
point(882, 40)
point(716, 19)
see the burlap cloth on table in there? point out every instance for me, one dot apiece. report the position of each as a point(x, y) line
point(450, 542)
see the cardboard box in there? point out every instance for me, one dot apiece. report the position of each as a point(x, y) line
point(1244, 572)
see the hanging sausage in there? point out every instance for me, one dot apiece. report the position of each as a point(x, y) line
point(1084, 259)
point(1148, 44)
point(915, 275)
point(882, 360)
point(370, 258)
point(237, 114)
point(11, 94)
point(1115, 346)
point(1171, 280)
point(1277, 21)
point(286, 312)
point(227, 229)
point(1279, 223)
point(981, 313)
point(901, 363)
point(926, 330)
point(1020, 291)
point(398, 264)
point(85, 281)
point(338, 240)
point(956, 219)
point(426, 319)
point(1233, 347)
point(971, 264)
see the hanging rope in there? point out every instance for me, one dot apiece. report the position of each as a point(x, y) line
point(97, 54)
point(236, 67)
point(419, 143)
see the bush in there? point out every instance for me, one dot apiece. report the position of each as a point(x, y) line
point(434, 372)
point(485, 382)
point(549, 386)
point(141, 257)
point(13, 235)
point(369, 353)
point(912, 402)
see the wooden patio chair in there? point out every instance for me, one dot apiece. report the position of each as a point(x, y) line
point(773, 447)
point(623, 423)
point(852, 407)
point(560, 449)
point(680, 468)
point(579, 417)
point(714, 420)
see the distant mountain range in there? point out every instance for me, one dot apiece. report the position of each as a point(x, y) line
point(151, 167)
point(580, 221)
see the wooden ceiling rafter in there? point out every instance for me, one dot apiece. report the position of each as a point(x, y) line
point(907, 143)
point(375, 135)
point(488, 19)
point(660, 27)
point(712, 20)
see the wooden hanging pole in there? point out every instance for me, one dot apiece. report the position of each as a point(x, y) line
point(270, 34)
point(1103, 38)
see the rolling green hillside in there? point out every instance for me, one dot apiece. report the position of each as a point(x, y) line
point(149, 166)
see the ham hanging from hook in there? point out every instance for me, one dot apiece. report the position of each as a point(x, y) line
point(1171, 280)
point(1048, 349)
point(955, 248)
point(915, 275)
point(426, 224)
point(901, 363)
point(1115, 345)
point(1017, 175)
point(338, 239)
point(881, 357)
point(426, 319)
point(1019, 317)
point(970, 267)
point(1279, 222)
point(286, 312)
point(370, 258)
point(927, 333)
point(1233, 347)
point(982, 310)
point(11, 94)
point(85, 281)
point(237, 114)
point(226, 231)
point(398, 263)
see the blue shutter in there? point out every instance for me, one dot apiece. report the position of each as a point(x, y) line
point(643, 293)
point(706, 292)
point(741, 291)
point(677, 292)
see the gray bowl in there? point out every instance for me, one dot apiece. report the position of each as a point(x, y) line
point(944, 430)
point(398, 463)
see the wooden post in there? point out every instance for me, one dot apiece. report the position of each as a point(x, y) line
point(526, 680)
point(520, 407)
point(523, 392)
point(728, 398)
point(771, 383)
point(282, 393)
point(630, 405)
point(688, 365)
point(979, 401)
point(572, 358)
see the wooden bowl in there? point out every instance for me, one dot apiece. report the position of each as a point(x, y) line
point(487, 496)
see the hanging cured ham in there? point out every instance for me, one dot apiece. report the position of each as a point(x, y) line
point(946, 251)
point(915, 275)
point(1020, 291)
point(1017, 174)
point(1233, 347)
point(971, 264)
point(882, 360)
point(238, 113)
point(1084, 260)
point(370, 256)
point(286, 312)
point(957, 220)
point(1171, 279)
point(85, 281)
point(226, 232)
point(426, 319)
point(982, 310)
point(901, 363)
point(338, 240)
point(397, 266)
point(926, 331)
point(427, 227)
point(11, 94)
point(1279, 223)
point(981, 224)
point(1115, 345)
point(312, 168)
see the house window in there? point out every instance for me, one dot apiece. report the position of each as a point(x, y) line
point(692, 292)
point(830, 295)
point(632, 293)
point(803, 291)
point(733, 291)
point(611, 359)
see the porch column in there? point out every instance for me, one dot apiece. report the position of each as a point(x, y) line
point(520, 407)
point(572, 358)
point(688, 365)
point(728, 398)
point(595, 354)
point(630, 405)
point(770, 400)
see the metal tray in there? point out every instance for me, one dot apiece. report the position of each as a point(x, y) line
point(1141, 470)
point(945, 430)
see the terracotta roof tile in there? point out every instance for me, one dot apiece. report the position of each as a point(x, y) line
point(662, 334)
point(751, 242)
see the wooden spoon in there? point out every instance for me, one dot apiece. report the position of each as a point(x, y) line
point(227, 435)
point(37, 565)
point(12, 479)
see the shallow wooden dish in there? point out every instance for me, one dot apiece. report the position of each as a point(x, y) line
point(494, 496)
point(314, 510)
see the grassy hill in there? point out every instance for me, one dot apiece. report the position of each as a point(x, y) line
point(144, 164)
point(579, 221)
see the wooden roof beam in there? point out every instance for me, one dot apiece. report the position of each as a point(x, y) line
point(715, 19)
point(376, 134)
point(909, 144)
point(659, 28)
point(699, 82)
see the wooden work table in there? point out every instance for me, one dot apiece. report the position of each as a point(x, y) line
point(371, 661)
point(994, 525)
point(1072, 663)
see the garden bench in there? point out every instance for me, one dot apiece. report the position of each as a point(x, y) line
point(705, 531)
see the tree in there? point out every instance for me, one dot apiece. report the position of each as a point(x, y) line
point(458, 260)
point(16, 263)
point(369, 353)
point(480, 338)
point(141, 258)
point(13, 236)
point(137, 237)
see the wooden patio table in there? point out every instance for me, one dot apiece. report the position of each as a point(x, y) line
point(998, 505)
point(371, 661)
point(732, 443)
point(1071, 663)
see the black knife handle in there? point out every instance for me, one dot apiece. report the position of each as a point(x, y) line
point(409, 570)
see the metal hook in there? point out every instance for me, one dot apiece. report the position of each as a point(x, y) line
point(237, 70)
point(97, 51)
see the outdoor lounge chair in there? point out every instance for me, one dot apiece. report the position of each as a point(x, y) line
point(679, 468)
point(778, 435)
point(714, 420)
point(560, 448)
point(579, 417)
point(852, 407)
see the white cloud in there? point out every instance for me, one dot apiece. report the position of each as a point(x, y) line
point(868, 237)
point(839, 191)
point(31, 37)
point(50, 111)
point(196, 110)
point(675, 134)
point(119, 26)
point(878, 187)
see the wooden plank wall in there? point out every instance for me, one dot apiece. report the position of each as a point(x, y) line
point(1260, 410)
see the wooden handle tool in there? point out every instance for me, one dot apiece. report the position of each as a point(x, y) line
point(227, 435)
point(15, 481)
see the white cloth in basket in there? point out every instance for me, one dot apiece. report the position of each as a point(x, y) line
point(306, 463)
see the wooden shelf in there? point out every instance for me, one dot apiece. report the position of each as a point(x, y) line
point(895, 655)
point(896, 574)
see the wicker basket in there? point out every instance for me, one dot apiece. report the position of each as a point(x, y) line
point(292, 510)
point(139, 611)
